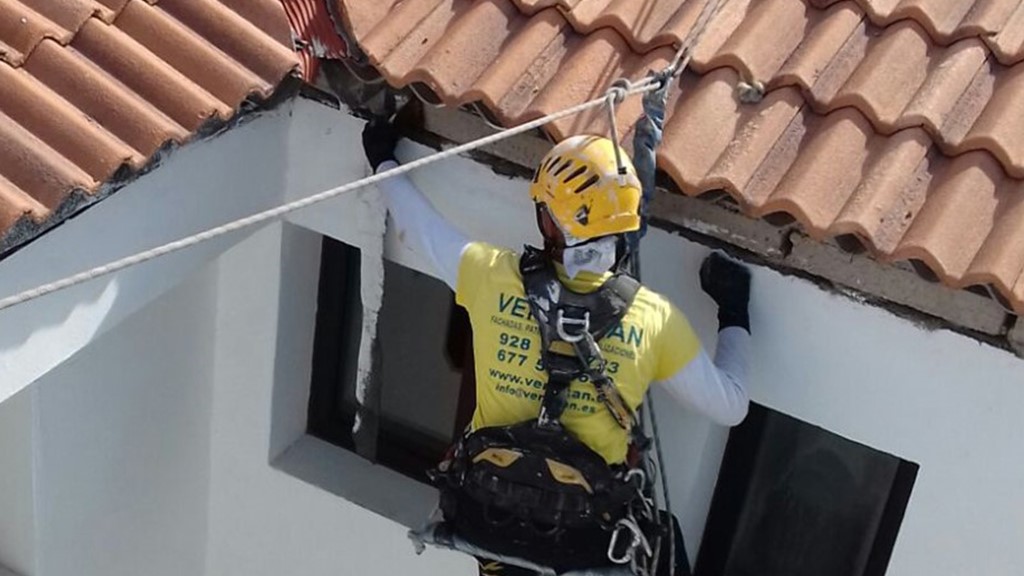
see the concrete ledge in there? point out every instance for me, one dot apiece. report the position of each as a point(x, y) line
point(343, 473)
point(857, 275)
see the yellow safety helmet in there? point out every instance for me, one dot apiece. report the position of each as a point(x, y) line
point(579, 183)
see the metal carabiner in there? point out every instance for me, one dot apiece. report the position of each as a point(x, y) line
point(639, 540)
point(636, 472)
point(561, 321)
point(628, 554)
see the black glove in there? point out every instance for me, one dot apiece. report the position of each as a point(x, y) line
point(728, 284)
point(379, 140)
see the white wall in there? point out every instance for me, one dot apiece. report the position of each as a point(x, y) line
point(17, 511)
point(123, 444)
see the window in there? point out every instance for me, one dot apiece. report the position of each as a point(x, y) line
point(796, 499)
point(416, 363)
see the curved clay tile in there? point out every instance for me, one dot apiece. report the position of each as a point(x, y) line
point(16, 205)
point(158, 83)
point(1008, 44)
point(22, 29)
point(945, 20)
point(68, 14)
point(644, 24)
point(62, 126)
point(863, 131)
point(197, 61)
point(89, 86)
point(904, 80)
point(1001, 257)
point(960, 212)
point(38, 170)
point(240, 39)
point(890, 193)
point(1000, 127)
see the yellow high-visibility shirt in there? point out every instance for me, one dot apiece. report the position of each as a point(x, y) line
point(653, 342)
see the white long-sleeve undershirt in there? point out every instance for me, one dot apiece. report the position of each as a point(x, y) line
point(714, 388)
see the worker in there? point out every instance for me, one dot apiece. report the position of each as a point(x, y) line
point(585, 211)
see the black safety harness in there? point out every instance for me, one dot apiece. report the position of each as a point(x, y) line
point(524, 485)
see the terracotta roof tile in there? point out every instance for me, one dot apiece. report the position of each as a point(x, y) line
point(21, 28)
point(36, 168)
point(197, 61)
point(895, 122)
point(897, 77)
point(89, 86)
point(61, 125)
point(16, 204)
point(316, 36)
point(644, 25)
point(945, 20)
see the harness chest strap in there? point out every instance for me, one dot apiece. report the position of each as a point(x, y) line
point(570, 325)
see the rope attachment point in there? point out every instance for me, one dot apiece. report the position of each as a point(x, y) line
point(615, 95)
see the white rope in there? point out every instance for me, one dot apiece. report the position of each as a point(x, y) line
point(141, 257)
point(685, 52)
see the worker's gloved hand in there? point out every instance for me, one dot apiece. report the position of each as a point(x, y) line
point(728, 284)
point(379, 141)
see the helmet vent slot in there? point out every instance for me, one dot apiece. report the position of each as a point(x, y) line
point(594, 178)
point(565, 165)
point(574, 174)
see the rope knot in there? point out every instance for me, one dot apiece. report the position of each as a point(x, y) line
point(619, 90)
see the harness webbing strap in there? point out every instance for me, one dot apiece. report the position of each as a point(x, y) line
point(575, 322)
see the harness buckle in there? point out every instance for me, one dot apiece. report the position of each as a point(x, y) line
point(582, 324)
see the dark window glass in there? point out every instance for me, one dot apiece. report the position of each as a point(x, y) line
point(794, 499)
point(417, 364)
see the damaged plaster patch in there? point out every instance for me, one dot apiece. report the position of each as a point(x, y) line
point(372, 227)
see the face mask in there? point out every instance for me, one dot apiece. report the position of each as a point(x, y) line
point(596, 257)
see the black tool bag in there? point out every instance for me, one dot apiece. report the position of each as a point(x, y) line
point(538, 476)
point(527, 490)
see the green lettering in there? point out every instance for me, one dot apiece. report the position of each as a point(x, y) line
point(635, 336)
point(520, 309)
point(503, 304)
